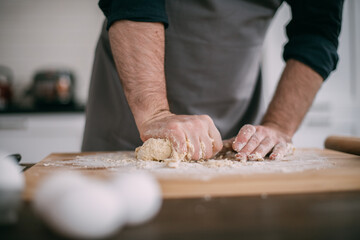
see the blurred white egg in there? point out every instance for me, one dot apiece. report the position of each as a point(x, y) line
point(11, 176)
point(93, 211)
point(55, 186)
point(12, 183)
point(142, 195)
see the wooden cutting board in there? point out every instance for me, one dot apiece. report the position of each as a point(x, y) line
point(341, 174)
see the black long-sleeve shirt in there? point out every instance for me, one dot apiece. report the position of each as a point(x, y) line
point(312, 32)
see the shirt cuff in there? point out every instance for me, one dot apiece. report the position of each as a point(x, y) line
point(317, 52)
point(134, 10)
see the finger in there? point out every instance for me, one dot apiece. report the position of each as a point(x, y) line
point(193, 148)
point(217, 143)
point(264, 148)
point(242, 157)
point(289, 149)
point(243, 137)
point(176, 136)
point(178, 140)
point(202, 150)
point(279, 151)
point(214, 134)
point(206, 147)
point(253, 143)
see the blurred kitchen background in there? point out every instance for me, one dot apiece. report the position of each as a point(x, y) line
point(46, 55)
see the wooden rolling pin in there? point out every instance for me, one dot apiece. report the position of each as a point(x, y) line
point(343, 144)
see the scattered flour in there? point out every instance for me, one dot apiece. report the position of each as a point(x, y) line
point(226, 164)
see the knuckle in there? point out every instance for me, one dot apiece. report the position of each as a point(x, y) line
point(203, 116)
point(251, 127)
point(217, 136)
point(175, 126)
point(197, 121)
point(255, 139)
point(218, 146)
point(207, 118)
point(268, 141)
point(261, 130)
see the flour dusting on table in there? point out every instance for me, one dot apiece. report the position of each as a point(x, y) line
point(205, 169)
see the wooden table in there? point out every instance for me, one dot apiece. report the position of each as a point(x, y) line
point(332, 213)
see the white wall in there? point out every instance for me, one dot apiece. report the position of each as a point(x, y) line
point(336, 109)
point(41, 33)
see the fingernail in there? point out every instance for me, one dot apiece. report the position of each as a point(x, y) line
point(273, 156)
point(241, 157)
point(276, 156)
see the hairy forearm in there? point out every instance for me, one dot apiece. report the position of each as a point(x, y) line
point(138, 50)
point(294, 95)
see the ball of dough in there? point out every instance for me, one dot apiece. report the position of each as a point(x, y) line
point(154, 149)
point(93, 211)
point(54, 186)
point(142, 195)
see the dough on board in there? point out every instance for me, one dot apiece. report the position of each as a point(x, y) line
point(154, 149)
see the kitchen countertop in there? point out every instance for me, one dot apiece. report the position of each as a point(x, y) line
point(36, 110)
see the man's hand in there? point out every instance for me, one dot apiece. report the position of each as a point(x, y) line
point(193, 135)
point(258, 141)
point(294, 95)
point(138, 49)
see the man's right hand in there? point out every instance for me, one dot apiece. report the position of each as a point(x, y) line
point(138, 49)
point(194, 135)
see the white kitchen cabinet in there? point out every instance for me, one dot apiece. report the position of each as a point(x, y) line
point(35, 136)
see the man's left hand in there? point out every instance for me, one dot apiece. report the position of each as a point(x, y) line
point(257, 141)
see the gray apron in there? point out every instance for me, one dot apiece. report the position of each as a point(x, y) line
point(212, 66)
